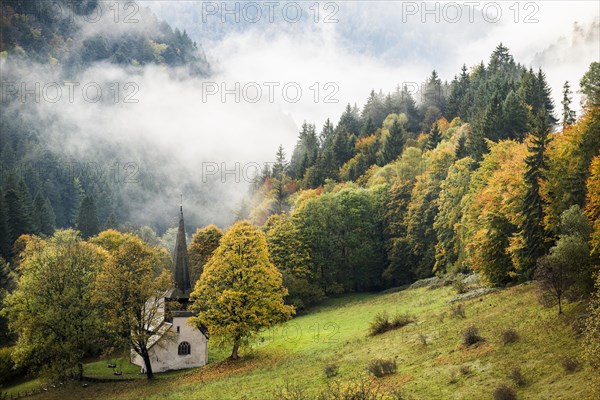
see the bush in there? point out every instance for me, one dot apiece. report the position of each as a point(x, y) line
point(358, 389)
point(509, 336)
point(290, 392)
point(471, 336)
point(504, 392)
point(453, 377)
point(517, 376)
point(331, 370)
point(7, 366)
point(465, 370)
point(570, 365)
point(460, 286)
point(382, 323)
point(457, 311)
point(382, 367)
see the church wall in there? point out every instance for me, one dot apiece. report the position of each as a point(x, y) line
point(164, 354)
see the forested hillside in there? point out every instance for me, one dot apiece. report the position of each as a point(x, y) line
point(485, 174)
point(43, 184)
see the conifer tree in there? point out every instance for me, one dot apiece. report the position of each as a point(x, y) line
point(533, 231)
point(44, 216)
point(393, 142)
point(434, 137)
point(568, 115)
point(87, 220)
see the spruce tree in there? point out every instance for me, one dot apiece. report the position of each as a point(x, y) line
point(44, 216)
point(87, 220)
point(532, 231)
point(434, 138)
point(393, 142)
point(5, 233)
point(461, 147)
point(568, 115)
point(368, 127)
point(514, 116)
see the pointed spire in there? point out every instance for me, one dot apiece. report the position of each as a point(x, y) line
point(182, 274)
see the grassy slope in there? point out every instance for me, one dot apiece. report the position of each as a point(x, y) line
point(337, 333)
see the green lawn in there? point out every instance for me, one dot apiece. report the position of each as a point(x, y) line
point(337, 333)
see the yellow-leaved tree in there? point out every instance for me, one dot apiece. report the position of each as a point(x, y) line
point(240, 291)
point(129, 291)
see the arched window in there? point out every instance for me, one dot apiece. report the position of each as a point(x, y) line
point(183, 349)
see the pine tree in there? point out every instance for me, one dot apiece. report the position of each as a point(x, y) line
point(568, 115)
point(280, 179)
point(408, 107)
point(434, 137)
point(281, 165)
point(368, 127)
point(393, 142)
point(533, 231)
point(5, 233)
point(461, 147)
point(44, 216)
point(514, 116)
point(87, 220)
point(112, 222)
point(19, 209)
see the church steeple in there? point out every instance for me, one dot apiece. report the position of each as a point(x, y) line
point(182, 273)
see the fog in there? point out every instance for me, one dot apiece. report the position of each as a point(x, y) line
point(207, 137)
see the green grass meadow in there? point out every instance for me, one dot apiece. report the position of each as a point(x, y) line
point(337, 333)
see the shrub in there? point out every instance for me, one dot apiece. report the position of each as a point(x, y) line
point(471, 336)
point(358, 389)
point(401, 320)
point(570, 365)
point(382, 323)
point(290, 392)
point(460, 286)
point(517, 376)
point(453, 377)
point(8, 371)
point(465, 370)
point(457, 311)
point(509, 336)
point(331, 370)
point(382, 367)
point(504, 392)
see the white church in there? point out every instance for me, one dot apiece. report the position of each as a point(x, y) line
point(178, 344)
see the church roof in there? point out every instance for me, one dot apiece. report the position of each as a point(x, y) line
point(183, 285)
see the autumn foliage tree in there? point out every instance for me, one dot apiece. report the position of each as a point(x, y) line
point(240, 291)
point(129, 292)
point(204, 243)
point(51, 310)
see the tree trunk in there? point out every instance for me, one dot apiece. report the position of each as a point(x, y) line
point(79, 371)
point(148, 365)
point(236, 346)
point(559, 306)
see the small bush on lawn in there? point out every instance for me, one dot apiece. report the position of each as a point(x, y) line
point(458, 311)
point(471, 336)
point(290, 392)
point(382, 367)
point(504, 392)
point(570, 365)
point(382, 323)
point(465, 370)
point(509, 336)
point(331, 370)
point(517, 376)
point(460, 286)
